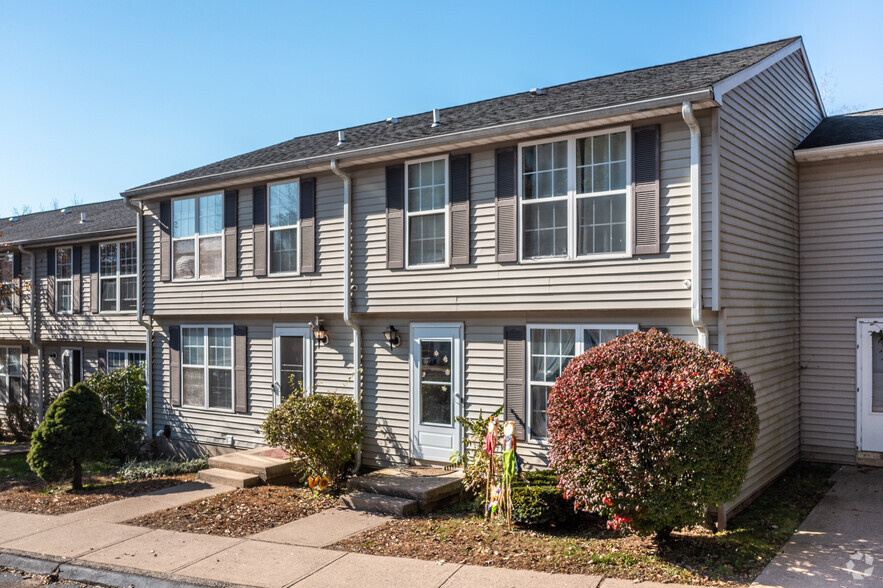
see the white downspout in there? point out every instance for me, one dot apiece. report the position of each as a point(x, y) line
point(695, 223)
point(139, 305)
point(32, 330)
point(347, 291)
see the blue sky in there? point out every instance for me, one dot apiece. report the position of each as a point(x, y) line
point(100, 96)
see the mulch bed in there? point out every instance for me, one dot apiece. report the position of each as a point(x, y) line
point(241, 512)
point(36, 497)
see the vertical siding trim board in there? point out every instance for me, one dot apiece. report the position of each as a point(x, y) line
point(506, 203)
point(460, 180)
point(94, 294)
point(646, 189)
point(231, 249)
point(165, 241)
point(50, 281)
point(76, 280)
point(259, 229)
point(308, 225)
point(175, 366)
point(395, 216)
point(514, 369)
point(240, 371)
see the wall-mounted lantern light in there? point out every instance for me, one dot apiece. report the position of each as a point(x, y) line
point(392, 336)
point(320, 334)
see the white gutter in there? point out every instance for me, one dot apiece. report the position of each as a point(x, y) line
point(32, 330)
point(695, 223)
point(348, 290)
point(837, 151)
point(139, 305)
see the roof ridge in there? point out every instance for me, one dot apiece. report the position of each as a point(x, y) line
point(71, 207)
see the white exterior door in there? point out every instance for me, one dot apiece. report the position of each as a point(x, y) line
point(292, 358)
point(436, 391)
point(870, 388)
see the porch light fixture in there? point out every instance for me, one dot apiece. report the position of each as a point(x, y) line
point(392, 336)
point(320, 334)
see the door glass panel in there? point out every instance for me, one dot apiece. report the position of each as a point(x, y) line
point(291, 363)
point(877, 372)
point(436, 394)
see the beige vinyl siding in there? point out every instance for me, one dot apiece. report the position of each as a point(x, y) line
point(649, 281)
point(15, 326)
point(761, 121)
point(841, 280)
point(319, 292)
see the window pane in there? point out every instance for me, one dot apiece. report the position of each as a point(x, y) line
point(600, 149)
point(128, 293)
point(617, 147)
point(211, 214)
point(550, 351)
point(545, 229)
point(426, 186)
point(539, 394)
point(63, 263)
point(184, 218)
point(6, 267)
point(220, 352)
point(16, 391)
point(64, 302)
point(291, 363)
point(108, 295)
point(220, 388)
point(436, 392)
point(128, 258)
point(601, 224)
point(593, 337)
point(426, 239)
point(108, 260)
point(210, 260)
point(14, 362)
point(185, 261)
point(4, 359)
point(283, 251)
point(136, 358)
point(284, 205)
point(115, 360)
point(192, 344)
point(194, 386)
point(544, 170)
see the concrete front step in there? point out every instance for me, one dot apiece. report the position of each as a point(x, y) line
point(228, 478)
point(430, 491)
point(370, 502)
point(270, 469)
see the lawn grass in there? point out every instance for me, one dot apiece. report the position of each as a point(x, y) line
point(14, 469)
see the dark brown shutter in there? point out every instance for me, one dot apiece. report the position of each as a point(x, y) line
point(26, 373)
point(308, 225)
point(395, 216)
point(102, 360)
point(646, 189)
point(231, 246)
point(460, 193)
point(76, 280)
point(175, 366)
point(515, 391)
point(259, 230)
point(50, 281)
point(506, 182)
point(17, 282)
point(240, 368)
point(165, 241)
point(94, 293)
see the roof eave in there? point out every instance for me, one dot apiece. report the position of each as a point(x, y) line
point(355, 156)
point(71, 238)
point(839, 151)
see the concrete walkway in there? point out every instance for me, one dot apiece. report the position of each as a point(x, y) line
point(840, 543)
point(14, 449)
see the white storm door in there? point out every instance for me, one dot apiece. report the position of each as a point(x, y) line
point(870, 397)
point(292, 359)
point(436, 391)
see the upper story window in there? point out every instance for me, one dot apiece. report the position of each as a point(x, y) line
point(574, 196)
point(118, 276)
point(6, 281)
point(64, 272)
point(197, 241)
point(11, 388)
point(284, 221)
point(550, 349)
point(426, 206)
point(207, 366)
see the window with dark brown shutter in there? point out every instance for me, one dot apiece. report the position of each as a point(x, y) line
point(308, 225)
point(50, 281)
point(515, 392)
point(231, 245)
point(395, 221)
point(506, 200)
point(646, 189)
point(240, 368)
point(460, 197)
point(165, 244)
point(175, 366)
point(94, 287)
point(259, 229)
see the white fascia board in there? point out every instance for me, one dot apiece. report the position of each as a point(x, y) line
point(839, 151)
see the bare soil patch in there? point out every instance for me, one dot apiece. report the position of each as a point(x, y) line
point(241, 512)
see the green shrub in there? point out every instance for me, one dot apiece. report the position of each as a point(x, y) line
point(20, 421)
point(324, 431)
point(123, 394)
point(145, 470)
point(536, 500)
point(650, 430)
point(75, 429)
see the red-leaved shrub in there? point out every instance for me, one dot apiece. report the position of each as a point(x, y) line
point(649, 430)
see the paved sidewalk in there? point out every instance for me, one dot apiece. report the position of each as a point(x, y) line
point(14, 449)
point(840, 543)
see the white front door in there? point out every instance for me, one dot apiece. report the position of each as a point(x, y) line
point(870, 388)
point(436, 391)
point(292, 361)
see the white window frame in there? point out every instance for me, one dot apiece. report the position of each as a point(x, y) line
point(68, 280)
point(6, 288)
point(5, 376)
point(196, 239)
point(579, 349)
point(447, 213)
point(284, 330)
point(127, 361)
point(573, 196)
point(205, 406)
point(271, 230)
point(117, 277)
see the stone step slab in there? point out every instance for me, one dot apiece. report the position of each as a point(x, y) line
point(430, 492)
point(371, 502)
point(268, 468)
point(229, 478)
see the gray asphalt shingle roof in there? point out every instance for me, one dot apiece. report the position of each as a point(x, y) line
point(856, 127)
point(621, 88)
point(112, 216)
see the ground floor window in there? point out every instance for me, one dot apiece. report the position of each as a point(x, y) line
point(207, 366)
point(550, 348)
point(11, 378)
point(121, 359)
